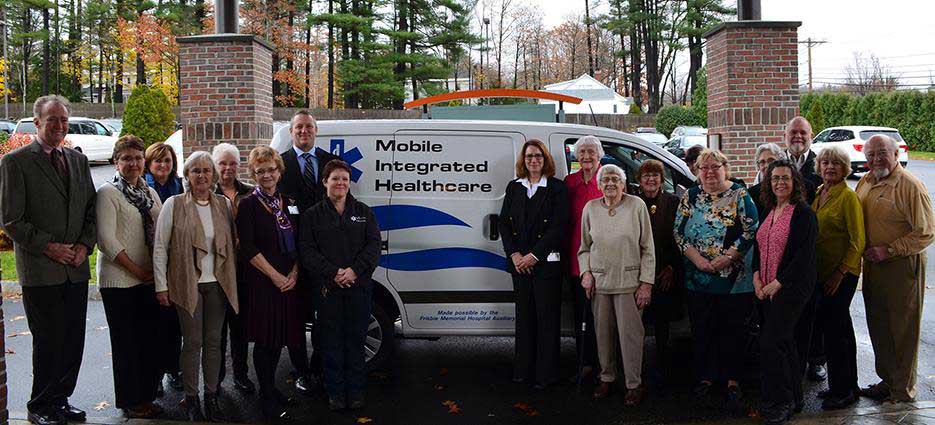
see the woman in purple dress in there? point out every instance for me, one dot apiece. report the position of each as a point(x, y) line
point(267, 229)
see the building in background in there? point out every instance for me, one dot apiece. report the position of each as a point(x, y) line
point(596, 97)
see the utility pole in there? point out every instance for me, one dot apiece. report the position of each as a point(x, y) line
point(809, 43)
point(6, 65)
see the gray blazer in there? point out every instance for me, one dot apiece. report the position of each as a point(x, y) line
point(36, 208)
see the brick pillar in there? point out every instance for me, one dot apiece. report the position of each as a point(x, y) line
point(753, 88)
point(4, 411)
point(225, 93)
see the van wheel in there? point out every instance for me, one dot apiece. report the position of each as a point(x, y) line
point(378, 344)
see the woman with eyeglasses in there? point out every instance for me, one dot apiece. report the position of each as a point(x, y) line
point(532, 226)
point(714, 227)
point(765, 155)
point(618, 265)
point(784, 276)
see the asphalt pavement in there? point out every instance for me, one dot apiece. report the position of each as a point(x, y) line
point(463, 380)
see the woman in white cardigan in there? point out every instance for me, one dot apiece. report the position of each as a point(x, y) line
point(127, 209)
point(618, 265)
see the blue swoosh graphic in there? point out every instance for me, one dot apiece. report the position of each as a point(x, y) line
point(395, 217)
point(442, 258)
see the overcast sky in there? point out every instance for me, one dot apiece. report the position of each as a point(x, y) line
point(899, 32)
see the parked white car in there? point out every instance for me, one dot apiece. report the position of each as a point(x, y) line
point(86, 135)
point(852, 139)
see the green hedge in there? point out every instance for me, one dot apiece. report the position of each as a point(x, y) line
point(148, 115)
point(672, 116)
point(912, 112)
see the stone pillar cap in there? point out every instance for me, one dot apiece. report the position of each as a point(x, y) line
point(751, 24)
point(214, 38)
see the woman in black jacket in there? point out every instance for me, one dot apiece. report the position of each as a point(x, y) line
point(339, 242)
point(532, 224)
point(785, 274)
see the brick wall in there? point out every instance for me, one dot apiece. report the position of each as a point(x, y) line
point(752, 87)
point(226, 92)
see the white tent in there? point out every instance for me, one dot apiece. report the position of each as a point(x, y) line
point(595, 95)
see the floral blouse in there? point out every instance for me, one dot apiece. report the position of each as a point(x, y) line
point(713, 224)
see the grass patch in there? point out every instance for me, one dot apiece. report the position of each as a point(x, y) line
point(8, 262)
point(925, 156)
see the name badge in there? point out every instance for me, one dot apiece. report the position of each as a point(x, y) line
point(293, 209)
point(553, 257)
point(358, 219)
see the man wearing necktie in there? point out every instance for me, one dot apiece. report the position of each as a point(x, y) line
point(301, 181)
point(47, 208)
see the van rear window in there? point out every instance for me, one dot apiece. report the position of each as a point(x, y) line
point(867, 134)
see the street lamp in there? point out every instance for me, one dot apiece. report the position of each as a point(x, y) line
point(6, 80)
point(486, 49)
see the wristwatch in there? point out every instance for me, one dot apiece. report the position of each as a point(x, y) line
point(891, 251)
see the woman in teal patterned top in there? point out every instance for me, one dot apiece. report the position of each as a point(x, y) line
point(715, 226)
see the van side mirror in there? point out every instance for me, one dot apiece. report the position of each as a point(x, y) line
point(493, 226)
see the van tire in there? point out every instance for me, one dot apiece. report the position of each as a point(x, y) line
point(381, 328)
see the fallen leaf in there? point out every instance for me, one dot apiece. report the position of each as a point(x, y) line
point(443, 371)
point(17, 318)
point(521, 406)
point(101, 406)
point(12, 335)
point(439, 387)
point(364, 420)
point(100, 328)
point(454, 409)
point(532, 412)
point(447, 403)
point(10, 351)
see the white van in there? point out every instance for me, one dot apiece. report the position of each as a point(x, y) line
point(436, 188)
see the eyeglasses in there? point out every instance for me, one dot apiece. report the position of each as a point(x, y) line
point(610, 179)
point(262, 171)
point(877, 154)
point(711, 168)
point(763, 162)
point(532, 156)
point(784, 179)
point(130, 159)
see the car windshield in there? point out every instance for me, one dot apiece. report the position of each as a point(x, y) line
point(656, 138)
point(867, 134)
point(694, 131)
point(26, 127)
point(689, 141)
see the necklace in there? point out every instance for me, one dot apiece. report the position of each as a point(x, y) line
point(204, 203)
point(612, 210)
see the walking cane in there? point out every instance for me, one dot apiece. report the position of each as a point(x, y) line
point(584, 345)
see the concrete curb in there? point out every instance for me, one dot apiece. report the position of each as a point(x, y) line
point(13, 288)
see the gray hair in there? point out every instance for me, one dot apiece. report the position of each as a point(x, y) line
point(302, 112)
point(589, 141)
point(197, 159)
point(835, 153)
point(890, 142)
point(223, 148)
point(611, 169)
point(39, 105)
point(771, 147)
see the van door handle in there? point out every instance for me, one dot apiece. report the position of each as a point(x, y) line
point(493, 227)
point(385, 245)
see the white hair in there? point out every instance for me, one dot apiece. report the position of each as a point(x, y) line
point(223, 148)
point(199, 158)
point(771, 147)
point(891, 143)
point(611, 169)
point(589, 141)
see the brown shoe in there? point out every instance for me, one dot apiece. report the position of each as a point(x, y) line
point(602, 390)
point(634, 396)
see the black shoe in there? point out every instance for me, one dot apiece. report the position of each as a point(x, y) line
point(817, 372)
point(799, 406)
point(175, 381)
point(357, 403)
point(336, 403)
point(702, 389)
point(879, 391)
point(193, 409)
point(160, 390)
point(213, 410)
point(46, 418)
point(72, 413)
point(835, 403)
point(244, 385)
point(778, 414)
point(734, 395)
point(823, 394)
point(306, 385)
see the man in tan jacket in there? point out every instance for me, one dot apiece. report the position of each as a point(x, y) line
point(900, 225)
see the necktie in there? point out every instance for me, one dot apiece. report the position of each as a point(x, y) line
point(309, 174)
point(58, 162)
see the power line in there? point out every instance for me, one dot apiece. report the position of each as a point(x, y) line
point(809, 43)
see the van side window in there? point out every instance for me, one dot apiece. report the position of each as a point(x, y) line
point(627, 158)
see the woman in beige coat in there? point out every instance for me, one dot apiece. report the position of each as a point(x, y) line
point(194, 265)
point(618, 264)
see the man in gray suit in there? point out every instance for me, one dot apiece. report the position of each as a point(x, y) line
point(47, 208)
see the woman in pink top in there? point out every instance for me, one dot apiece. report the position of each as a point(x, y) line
point(785, 273)
point(582, 187)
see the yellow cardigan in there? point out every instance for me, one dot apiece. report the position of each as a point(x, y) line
point(841, 233)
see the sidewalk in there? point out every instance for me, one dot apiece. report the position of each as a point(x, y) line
point(8, 287)
point(918, 413)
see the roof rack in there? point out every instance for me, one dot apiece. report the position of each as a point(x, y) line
point(475, 94)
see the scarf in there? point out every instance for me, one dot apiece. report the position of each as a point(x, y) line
point(286, 229)
point(139, 197)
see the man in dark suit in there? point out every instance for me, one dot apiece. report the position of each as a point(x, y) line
point(47, 208)
point(810, 334)
point(302, 181)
